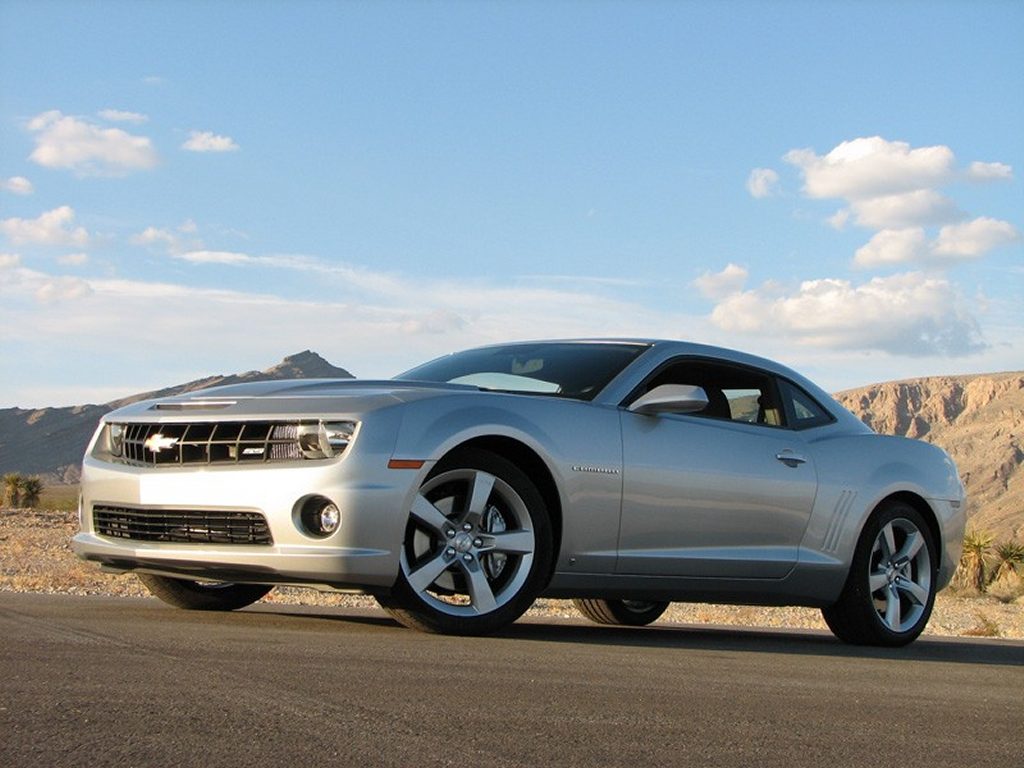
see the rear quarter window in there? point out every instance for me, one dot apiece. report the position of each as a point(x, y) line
point(802, 410)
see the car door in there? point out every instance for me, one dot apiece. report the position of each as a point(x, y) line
point(723, 493)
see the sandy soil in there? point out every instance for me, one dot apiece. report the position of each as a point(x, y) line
point(35, 557)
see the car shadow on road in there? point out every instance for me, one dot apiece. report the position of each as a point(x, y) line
point(762, 640)
point(717, 638)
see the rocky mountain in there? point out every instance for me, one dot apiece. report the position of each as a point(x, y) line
point(50, 441)
point(979, 420)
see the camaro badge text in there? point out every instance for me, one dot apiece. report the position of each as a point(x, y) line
point(158, 442)
point(596, 470)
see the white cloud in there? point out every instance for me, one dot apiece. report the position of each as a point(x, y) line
point(120, 116)
point(439, 321)
point(78, 145)
point(871, 167)
point(974, 238)
point(61, 289)
point(893, 246)
point(922, 207)
point(19, 185)
point(762, 182)
point(176, 242)
point(391, 321)
point(908, 314)
point(718, 285)
point(989, 172)
point(216, 257)
point(50, 228)
point(20, 282)
point(207, 141)
point(9, 260)
point(969, 240)
point(839, 219)
point(893, 189)
point(154, 236)
point(73, 259)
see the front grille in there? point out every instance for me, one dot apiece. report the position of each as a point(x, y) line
point(211, 443)
point(182, 526)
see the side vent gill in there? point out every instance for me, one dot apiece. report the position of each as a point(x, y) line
point(835, 527)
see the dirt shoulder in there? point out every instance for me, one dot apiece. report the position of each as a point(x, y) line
point(35, 556)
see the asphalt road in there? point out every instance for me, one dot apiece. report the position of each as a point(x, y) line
point(100, 681)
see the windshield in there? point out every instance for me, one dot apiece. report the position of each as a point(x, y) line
point(576, 370)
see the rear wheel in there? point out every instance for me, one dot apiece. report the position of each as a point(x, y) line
point(634, 613)
point(201, 595)
point(890, 590)
point(477, 548)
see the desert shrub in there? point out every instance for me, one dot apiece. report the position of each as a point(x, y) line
point(1009, 557)
point(12, 489)
point(972, 573)
point(31, 487)
point(1005, 580)
point(21, 491)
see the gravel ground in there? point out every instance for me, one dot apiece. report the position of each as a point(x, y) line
point(35, 557)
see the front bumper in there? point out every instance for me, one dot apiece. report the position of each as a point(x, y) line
point(952, 516)
point(362, 554)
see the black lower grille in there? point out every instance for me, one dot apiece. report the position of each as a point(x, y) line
point(182, 526)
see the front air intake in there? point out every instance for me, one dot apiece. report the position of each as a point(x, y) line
point(181, 526)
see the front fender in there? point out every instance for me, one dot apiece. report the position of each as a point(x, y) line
point(859, 472)
point(579, 443)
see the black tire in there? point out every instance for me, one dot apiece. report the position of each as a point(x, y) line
point(888, 597)
point(203, 596)
point(477, 548)
point(632, 613)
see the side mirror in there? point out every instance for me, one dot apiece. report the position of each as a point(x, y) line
point(670, 398)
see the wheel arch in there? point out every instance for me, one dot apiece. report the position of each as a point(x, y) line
point(530, 462)
point(920, 504)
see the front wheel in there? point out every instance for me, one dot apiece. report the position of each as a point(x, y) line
point(477, 548)
point(890, 590)
point(632, 613)
point(201, 595)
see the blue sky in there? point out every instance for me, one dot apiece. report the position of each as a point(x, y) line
point(192, 188)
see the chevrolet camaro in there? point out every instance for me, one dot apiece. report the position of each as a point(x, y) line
point(621, 474)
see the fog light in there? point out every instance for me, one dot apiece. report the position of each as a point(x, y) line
point(328, 519)
point(319, 517)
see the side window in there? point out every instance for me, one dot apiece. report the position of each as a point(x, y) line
point(804, 410)
point(734, 393)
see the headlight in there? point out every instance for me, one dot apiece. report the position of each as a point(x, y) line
point(325, 439)
point(115, 439)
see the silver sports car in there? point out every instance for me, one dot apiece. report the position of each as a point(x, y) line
point(622, 474)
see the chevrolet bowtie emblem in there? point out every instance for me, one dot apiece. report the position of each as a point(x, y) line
point(158, 442)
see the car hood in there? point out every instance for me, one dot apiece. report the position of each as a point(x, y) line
point(285, 398)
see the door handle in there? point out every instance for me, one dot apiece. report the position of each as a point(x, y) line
point(790, 459)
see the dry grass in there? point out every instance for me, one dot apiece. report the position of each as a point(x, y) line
point(985, 627)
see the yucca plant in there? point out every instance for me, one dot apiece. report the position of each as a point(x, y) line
point(1009, 559)
point(31, 487)
point(12, 489)
point(973, 569)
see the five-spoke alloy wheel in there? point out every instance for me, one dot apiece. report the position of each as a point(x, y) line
point(890, 591)
point(477, 548)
